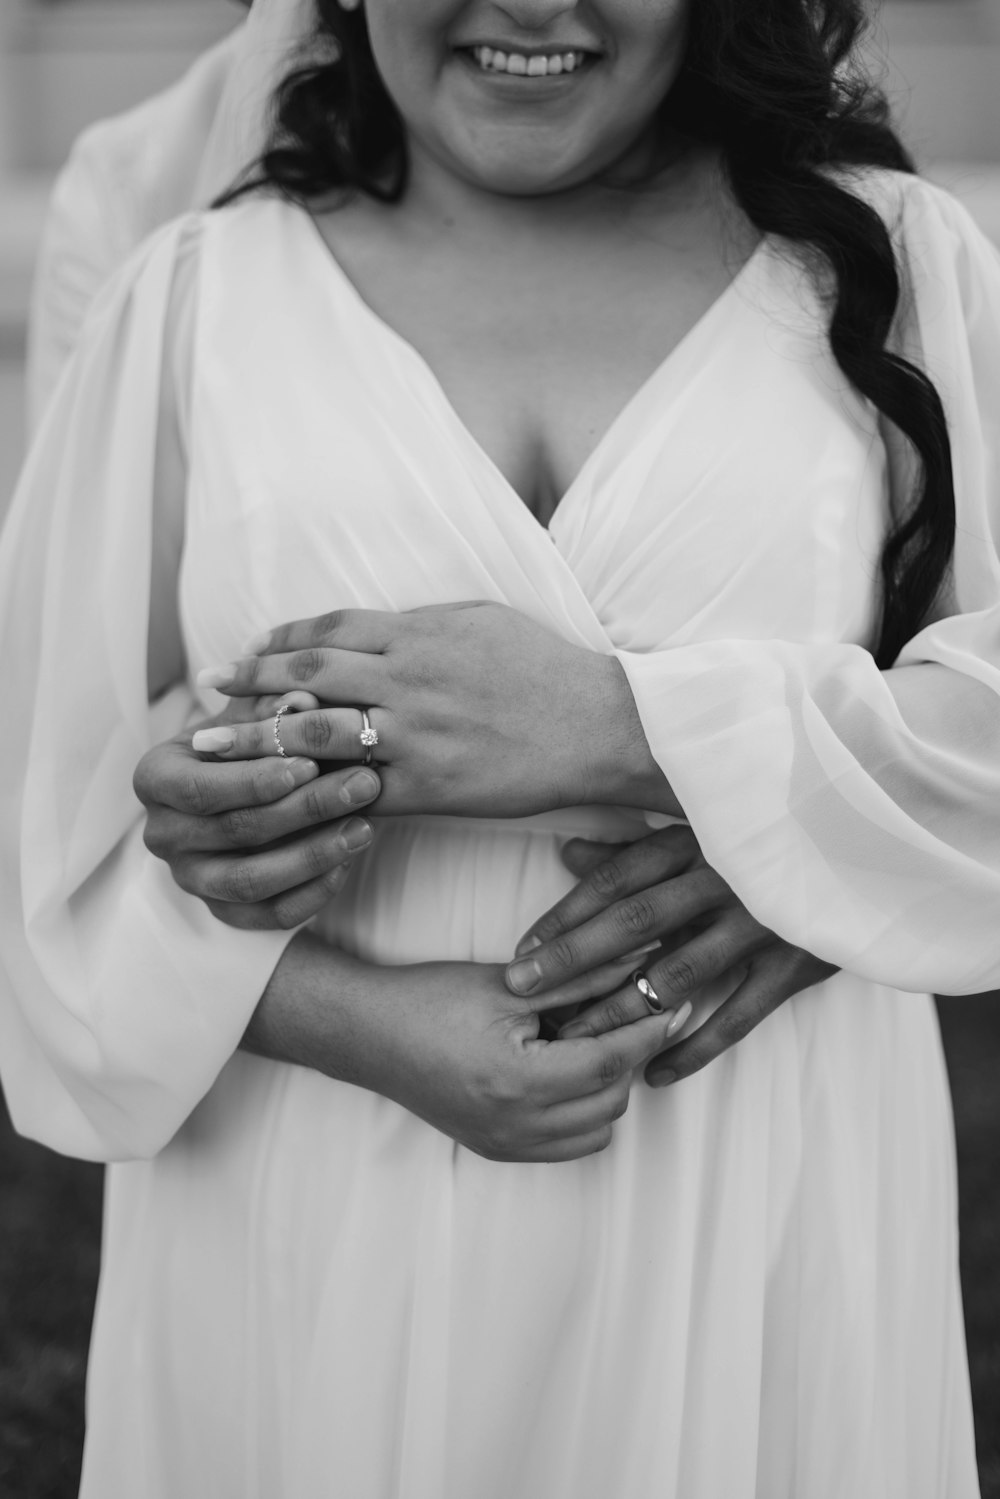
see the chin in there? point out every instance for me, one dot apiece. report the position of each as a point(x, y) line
point(525, 172)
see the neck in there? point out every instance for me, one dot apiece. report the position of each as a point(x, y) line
point(438, 197)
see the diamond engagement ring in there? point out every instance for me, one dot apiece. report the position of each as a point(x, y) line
point(654, 1004)
point(285, 708)
point(368, 737)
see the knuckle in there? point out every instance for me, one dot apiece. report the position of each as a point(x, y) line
point(318, 859)
point(680, 975)
point(260, 779)
point(316, 733)
point(287, 915)
point(759, 1006)
point(328, 624)
point(196, 794)
point(313, 803)
point(603, 1139)
point(563, 952)
point(247, 676)
point(240, 827)
point(610, 1068)
point(636, 915)
point(616, 1011)
point(305, 666)
point(240, 884)
point(728, 948)
point(733, 1023)
point(547, 928)
point(607, 880)
point(333, 882)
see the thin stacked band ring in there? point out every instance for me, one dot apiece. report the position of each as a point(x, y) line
point(654, 1004)
point(368, 737)
point(285, 708)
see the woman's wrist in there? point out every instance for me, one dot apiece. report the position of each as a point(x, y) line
point(314, 1012)
point(620, 767)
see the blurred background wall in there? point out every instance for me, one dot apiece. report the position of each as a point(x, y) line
point(64, 63)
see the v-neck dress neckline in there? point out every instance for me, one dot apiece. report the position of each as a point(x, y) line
point(634, 407)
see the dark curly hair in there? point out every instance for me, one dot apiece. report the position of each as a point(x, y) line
point(772, 84)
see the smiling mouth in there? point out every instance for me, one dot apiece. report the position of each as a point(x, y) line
point(527, 65)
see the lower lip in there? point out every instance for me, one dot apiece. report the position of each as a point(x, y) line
point(519, 84)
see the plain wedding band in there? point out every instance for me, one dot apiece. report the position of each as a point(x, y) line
point(654, 1003)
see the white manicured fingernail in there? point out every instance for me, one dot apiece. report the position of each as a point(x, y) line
point(680, 1017)
point(257, 645)
point(216, 676)
point(211, 741)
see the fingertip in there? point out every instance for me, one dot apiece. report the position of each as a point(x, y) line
point(659, 1078)
point(523, 977)
point(213, 741)
point(527, 944)
point(217, 676)
point(572, 852)
point(357, 834)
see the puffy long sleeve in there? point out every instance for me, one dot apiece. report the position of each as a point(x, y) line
point(125, 178)
point(857, 812)
point(123, 997)
point(88, 235)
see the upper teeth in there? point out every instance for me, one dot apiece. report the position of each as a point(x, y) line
point(537, 66)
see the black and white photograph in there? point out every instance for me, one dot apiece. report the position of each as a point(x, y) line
point(500, 761)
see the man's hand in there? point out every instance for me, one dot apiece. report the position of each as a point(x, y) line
point(660, 893)
point(264, 843)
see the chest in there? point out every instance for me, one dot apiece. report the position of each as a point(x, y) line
point(740, 493)
point(539, 356)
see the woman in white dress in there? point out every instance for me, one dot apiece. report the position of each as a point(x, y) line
point(310, 1286)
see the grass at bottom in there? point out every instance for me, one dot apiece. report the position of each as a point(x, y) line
point(49, 1250)
point(50, 1209)
point(971, 1031)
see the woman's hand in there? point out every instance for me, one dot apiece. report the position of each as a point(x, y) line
point(660, 890)
point(264, 843)
point(450, 1043)
point(479, 710)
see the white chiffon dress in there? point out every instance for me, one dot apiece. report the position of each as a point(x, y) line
point(307, 1292)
